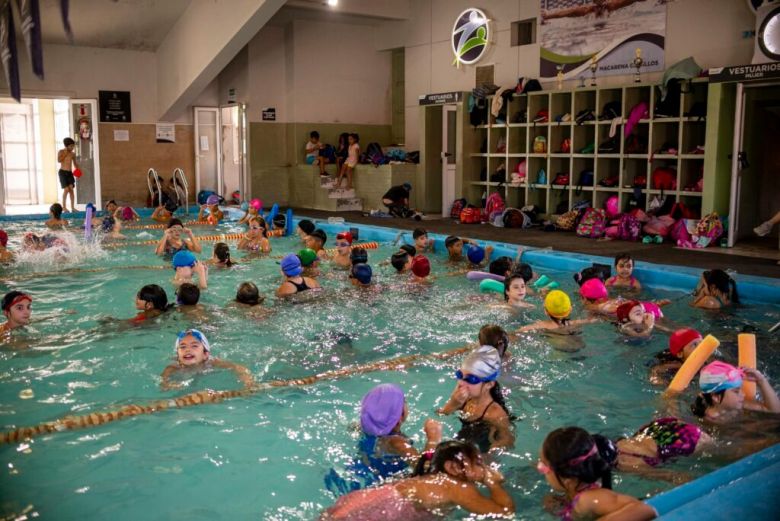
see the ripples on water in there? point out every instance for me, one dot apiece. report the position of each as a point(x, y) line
point(265, 456)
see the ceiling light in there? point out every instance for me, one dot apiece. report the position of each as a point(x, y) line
point(333, 3)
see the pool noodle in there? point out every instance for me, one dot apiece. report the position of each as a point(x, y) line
point(288, 223)
point(273, 213)
point(88, 224)
point(482, 275)
point(747, 358)
point(691, 366)
point(491, 285)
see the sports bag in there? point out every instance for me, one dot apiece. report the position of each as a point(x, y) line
point(629, 228)
point(514, 218)
point(374, 154)
point(457, 206)
point(592, 223)
point(567, 220)
point(471, 216)
point(664, 178)
point(561, 180)
point(494, 206)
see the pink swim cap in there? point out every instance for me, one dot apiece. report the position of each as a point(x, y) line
point(127, 213)
point(593, 289)
point(653, 308)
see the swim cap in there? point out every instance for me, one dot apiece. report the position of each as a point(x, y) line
point(681, 338)
point(184, 258)
point(291, 265)
point(307, 256)
point(12, 298)
point(358, 256)
point(200, 337)
point(256, 204)
point(421, 266)
point(381, 409)
point(557, 304)
point(719, 376)
point(624, 310)
point(408, 248)
point(280, 221)
point(319, 234)
point(306, 226)
point(245, 206)
point(476, 254)
point(653, 308)
point(212, 199)
point(3, 238)
point(593, 289)
point(107, 225)
point(407, 186)
point(484, 362)
point(362, 272)
point(127, 213)
point(344, 236)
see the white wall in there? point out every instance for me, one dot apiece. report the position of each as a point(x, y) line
point(708, 30)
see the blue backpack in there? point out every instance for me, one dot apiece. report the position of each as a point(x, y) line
point(374, 154)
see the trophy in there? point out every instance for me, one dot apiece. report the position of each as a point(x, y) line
point(594, 66)
point(559, 76)
point(637, 63)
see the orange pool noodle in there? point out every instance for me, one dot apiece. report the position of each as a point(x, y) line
point(691, 366)
point(747, 358)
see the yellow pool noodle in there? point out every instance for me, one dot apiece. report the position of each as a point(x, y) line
point(692, 365)
point(747, 358)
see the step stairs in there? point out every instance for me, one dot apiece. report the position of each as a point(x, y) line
point(336, 199)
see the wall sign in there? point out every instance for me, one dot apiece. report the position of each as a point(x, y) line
point(763, 71)
point(440, 99)
point(231, 95)
point(470, 36)
point(269, 114)
point(114, 106)
point(606, 35)
point(121, 135)
point(166, 132)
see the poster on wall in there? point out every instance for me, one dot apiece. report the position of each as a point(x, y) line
point(114, 106)
point(166, 133)
point(615, 34)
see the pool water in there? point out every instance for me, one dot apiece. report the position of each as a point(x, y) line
point(265, 456)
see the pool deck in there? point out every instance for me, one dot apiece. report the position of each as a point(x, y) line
point(568, 241)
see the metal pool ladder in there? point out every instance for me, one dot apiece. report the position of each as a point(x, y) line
point(179, 181)
point(152, 177)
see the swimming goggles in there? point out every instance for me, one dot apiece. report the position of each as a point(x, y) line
point(343, 244)
point(473, 379)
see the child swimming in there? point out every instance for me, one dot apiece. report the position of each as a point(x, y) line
point(316, 241)
point(56, 222)
point(221, 256)
point(193, 353)
point(6, 255)
point(515, 291)
point(721, 399)
point(343, 245)
point(172, 241)
point(421, 241)
point(637, 319)
point(310, 263)
point(293, 281)
point(716, 289)
point(151, 301)
point(163, 214)
point(256, 238)
point(571, 462)
point(305, 227)
point(360, 275)
point(127, 213)
point(210, 211)
point(595, 298)
point(454, 247)
point(477, 394)
point(186, 265)
point(495, 336)
point(421, 269)
point(358, 256)
point(111, 228)
point(187, 302)
point(557, 306)
point(681, 344)
point(17, 308)
point(450, 480)
point(624, 266)
point(401, 261)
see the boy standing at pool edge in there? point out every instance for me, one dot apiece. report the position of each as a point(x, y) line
point(67, 160)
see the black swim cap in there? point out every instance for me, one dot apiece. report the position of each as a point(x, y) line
point(408, 248)
point(449, 241)
point(306, 226)
point(319, 234)
point(358, 256)
point(399, 260)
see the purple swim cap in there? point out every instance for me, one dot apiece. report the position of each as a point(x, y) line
point(381, 409)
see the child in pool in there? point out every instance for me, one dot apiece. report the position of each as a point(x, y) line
point(127, 213)
point(401, 262)
point(305, 227)
point(17, 308)
point(56, 222)
point(210, 212)
point(477, 394)
point(624, 266)
point(595, 298)
point(310, 263)
point(637, 319)
point(343, 244)
point(454, 247)
point(111, 228)
point(572, 463)
point(172, 240)
point(495, 336)
point(721, 399)
point(256, 238)
point(221, 256)
point(451, 480)
point(358, 256)
point(163, 214)
point(193, 353)
point(478, 256)
point(682, 343)
point(249, 299)
point(186, 265)
point(251, 212)
point(294, 282)
point(151, 301)
point(316, 241)
point(360, 275)
point(716, 289)
point(6, 255)
point(421, 241)
point(557, 306)
point(187, 298)
point(515, 291)
point(421, 269)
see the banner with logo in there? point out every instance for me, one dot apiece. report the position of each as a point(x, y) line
point(614, 33)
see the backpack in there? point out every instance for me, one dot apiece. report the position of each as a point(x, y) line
point(709, 230)
point(494, 206)
point(374, 154)
point(514, 218)
point(584, 115)
point(679, 232)
point(611, 207)
point(586, 179)
point(561, 179)
point(664, 178)
point(471, 215)
point(629, 228)
point(540, 145)
point(567, 220)
point(592, 223)
point(659, 226)
point(478, 114)
point(457, 206)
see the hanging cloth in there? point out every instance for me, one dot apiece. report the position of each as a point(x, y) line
point(31, 29)
point(8, 49)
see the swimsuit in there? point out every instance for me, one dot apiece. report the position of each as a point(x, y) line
point(384, 503)
point(371, 466)
point(299, 286)
point(612, 280)
point(171, 250)
point(672, 436)
point(566, 513)
point(476, 431)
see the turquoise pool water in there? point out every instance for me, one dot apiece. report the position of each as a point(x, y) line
point(265, 456)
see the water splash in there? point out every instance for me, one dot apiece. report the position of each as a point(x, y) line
point(66, 250)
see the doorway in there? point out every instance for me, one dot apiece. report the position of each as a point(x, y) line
point(755, 191)
point(448, 157)
point(220, 150)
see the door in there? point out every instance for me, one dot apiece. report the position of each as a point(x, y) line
point(448, 165)
point(84, 122)
point(736, 165)
point(18, 166)
point(208, 149)
point(233, 158)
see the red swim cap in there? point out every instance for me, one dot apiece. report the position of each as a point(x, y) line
point(3, 238)
point(624, 310)
point(421, 266)
point(344, 236)
point(681, 338)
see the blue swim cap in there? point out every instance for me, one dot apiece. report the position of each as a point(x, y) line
point(184, 259)
point(362, 272)
point(476, 254)
point(291, 265)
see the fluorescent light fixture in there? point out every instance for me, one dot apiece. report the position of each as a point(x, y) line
point(333, 3)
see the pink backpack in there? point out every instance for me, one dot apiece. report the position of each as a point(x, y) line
point(679, 232)
point(592, 224)
point(629, 228)
point(494, 206)
point(659, 225)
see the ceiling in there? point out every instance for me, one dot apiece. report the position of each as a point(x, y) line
point(139, 25)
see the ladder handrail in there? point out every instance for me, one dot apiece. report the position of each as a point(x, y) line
point(152, 174)
point(181, 180)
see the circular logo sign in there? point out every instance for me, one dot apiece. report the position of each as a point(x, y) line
point(470, 36)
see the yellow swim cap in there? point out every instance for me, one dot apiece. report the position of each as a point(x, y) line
point(557, 304)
